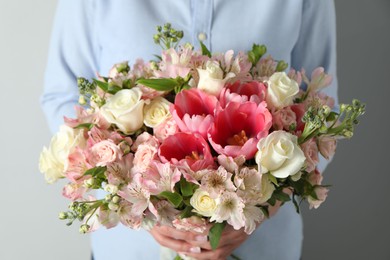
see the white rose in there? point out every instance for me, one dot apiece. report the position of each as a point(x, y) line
point(281, 90)
point(53, 161)
point(125, 110)
point(203, 204)
point(211, 79)
point(280, 154)
point(156, 112)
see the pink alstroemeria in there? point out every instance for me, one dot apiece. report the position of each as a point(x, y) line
point(135, 193)
point(160, 177)
point(182, 148)
point(175, 64)
point(193, 111)
point(238, 128)
point(241, 92)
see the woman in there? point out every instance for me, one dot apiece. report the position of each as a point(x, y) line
point(89, 36)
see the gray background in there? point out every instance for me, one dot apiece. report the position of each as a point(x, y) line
point(352, 224)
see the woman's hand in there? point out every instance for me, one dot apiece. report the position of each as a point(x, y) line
point(230, 240)
point(178, 240)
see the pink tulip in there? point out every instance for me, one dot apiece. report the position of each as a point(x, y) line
point(186, 148)
point(241, 92)
point(238, 128)
point(193, 111)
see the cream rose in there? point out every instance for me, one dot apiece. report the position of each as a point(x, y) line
point(281, 90)
point(53, 161)
point(211, 79)
point(203, 204)
point(279, 154)
point(156, 112)
point(125, 110)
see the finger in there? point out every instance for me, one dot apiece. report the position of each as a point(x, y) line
point(174, 244)
point(219, 254)
point(181, 235)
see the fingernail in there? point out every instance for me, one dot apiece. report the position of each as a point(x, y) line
point(195, 249)
point(201, 238)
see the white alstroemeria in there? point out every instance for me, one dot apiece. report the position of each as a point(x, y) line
point(231, 209)
point(253, 216)
point(217, 181)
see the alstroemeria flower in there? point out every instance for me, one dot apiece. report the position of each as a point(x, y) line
point(160, 177)
point(241, 92)
point(182, 148)
point(238, 128)
point(193, 111)
point(175, 64)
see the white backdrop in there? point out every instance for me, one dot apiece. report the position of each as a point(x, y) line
point(351, 225)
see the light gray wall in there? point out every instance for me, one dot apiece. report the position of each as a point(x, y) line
point(352, 224)
point(29, 228)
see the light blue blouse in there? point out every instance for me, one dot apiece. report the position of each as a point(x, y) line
point(89, 36)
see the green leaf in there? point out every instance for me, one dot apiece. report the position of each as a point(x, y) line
point(103, 85)
point(205, 51)
point(281, 196)
point(215, 234)
point(86, 125)
point(97, 171)
point(186, 188)
point(272, 201)
point(273, 179)
point(112, 89)
point(172, 197)
point(296, 204)
point(187, 212)
point(167, 84)
point(178, 258)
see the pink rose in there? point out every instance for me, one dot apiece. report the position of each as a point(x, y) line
point(321, 193)
point(165, 129)
point(144, 138)
point(253, 91)
point(284, 118)
point(310, 150)
point(186, 148)
point(238, 128)
point(327, 145)
point(144, 155)
point(193, 111)
point(105, 152)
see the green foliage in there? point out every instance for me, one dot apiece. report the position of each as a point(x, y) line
point(173, 197)
point(256, 53)
point(205, 51)
point(215, 234)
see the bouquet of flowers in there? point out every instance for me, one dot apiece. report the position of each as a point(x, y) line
point(195, 139)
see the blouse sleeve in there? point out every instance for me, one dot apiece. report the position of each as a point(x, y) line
point(73, 52)
point(316, 45)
